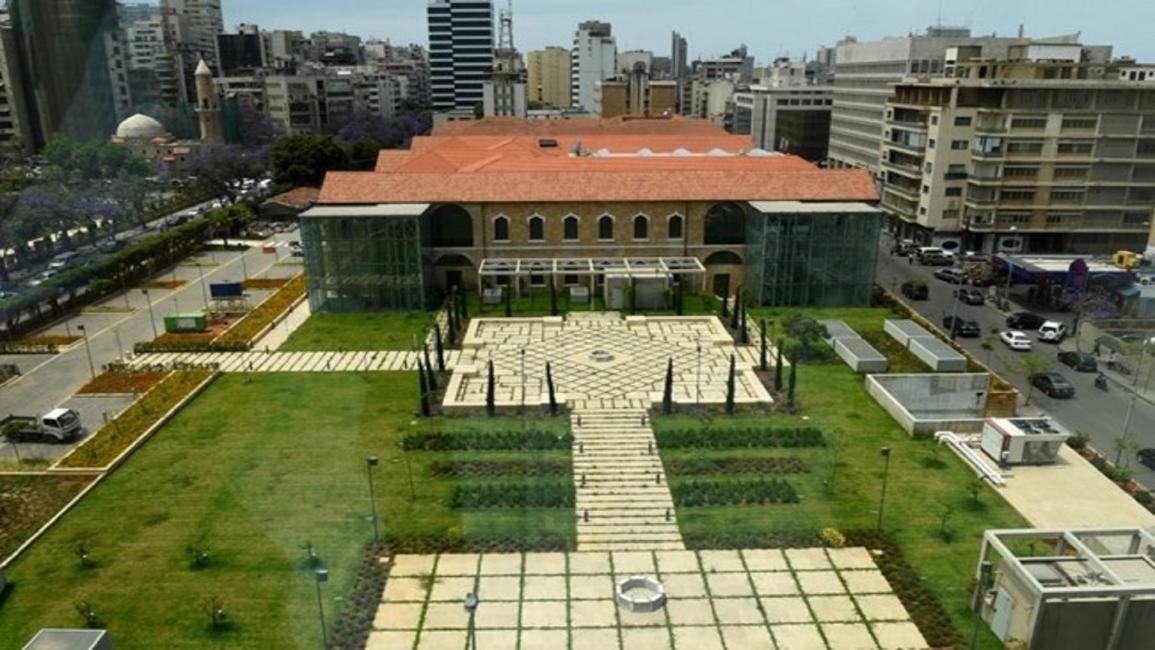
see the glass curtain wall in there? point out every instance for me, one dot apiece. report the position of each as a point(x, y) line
point(365, 263)
point(812, 259)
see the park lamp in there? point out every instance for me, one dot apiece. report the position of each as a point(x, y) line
point(884, 451)
point(321, 575)
point(373, 461)
point(471, 602)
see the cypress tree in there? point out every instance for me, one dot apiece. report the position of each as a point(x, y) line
point(439, 347)
point(463, 304)
point(429, 376)
point(668, 391)
point(633, 297)
point(778, 368)
point(793, 381)
point(744, 335)
point(552, 395)
point(730, 389)
point(763, 362)
point(508, 302)
point(737, 308)
point(725, 306)
point(424, 390)
point(552, 298)
point(490, 406)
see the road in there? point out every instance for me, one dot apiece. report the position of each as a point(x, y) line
point(49, 381)
point(1097, 414)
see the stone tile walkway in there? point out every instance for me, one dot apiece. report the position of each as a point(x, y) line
point(798, 599)
point(623, 502)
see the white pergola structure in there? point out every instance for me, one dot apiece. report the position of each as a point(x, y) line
point(519, 269)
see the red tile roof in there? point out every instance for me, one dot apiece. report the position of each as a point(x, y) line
point(507, 164)
point(298, 198)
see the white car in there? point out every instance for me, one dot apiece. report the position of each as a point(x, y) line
point(1016, 340)
point(1052, 332)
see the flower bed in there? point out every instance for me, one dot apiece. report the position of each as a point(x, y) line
point(265, 283)
point(487, 468)
point(711, 438)
point(472, 496)
point(55, 340)
point(483, 441)
point(164, 284)
point(693, 466)
point(114, 437)
point(732, 493)
point(355, 621)
point(26, 502)
point(123, 382)
point(925, 609)
point(253, 324)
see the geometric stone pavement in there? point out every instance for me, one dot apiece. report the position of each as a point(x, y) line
point(804, 599)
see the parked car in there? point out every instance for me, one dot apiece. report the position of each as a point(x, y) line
point(970, 296)
point(1025, 320)
point(64, 260)
point(961, 327)
point(1079, 361)
point(905, 247)
point(1053, 384)
point(110, 245)
point(1016, 340)
point(1052, 332)
point(930, 256)
point(1146, 457)
point(952, 275)
point(915, 290)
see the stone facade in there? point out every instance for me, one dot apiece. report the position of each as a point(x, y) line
point(659, 241)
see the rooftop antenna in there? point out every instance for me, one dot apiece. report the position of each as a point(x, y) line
point(939, 24)
point(505, 28)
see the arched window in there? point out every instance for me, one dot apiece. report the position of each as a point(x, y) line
point(452, 226)
point(725, 224)
point(606, 227)
point(501, 229)
point(641, 227)
point(570, 228)
point(536, 228)
point(723, 258)
point(674, 226)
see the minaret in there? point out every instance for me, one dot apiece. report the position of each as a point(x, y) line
point(208, 112)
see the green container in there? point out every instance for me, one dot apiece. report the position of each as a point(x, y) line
point(191, 322)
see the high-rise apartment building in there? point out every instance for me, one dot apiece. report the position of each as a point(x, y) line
point(461, 44)
point(864, 76)
point(593, 59)
point(191, 28)
point(628, 61)
point(792, 119)
point(679, 58)
point(244, 50)
point(72, 67)
point(549, 77)
point(1044, 150)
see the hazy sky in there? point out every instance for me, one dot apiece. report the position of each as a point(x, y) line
point(768, 27)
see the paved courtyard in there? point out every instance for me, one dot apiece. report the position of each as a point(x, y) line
point(797, 599)
point(602, 360)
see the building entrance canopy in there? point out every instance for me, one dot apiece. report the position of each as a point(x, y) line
point(637, 267)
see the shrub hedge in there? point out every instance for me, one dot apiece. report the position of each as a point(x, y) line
point(252, 324)
point(486, 468)
point(695, 466)
point(766, 539)
point(355, 621)
point(115, 436)
point(733, 493)
point(472, 496)
point(718, 438)
point(477, 441)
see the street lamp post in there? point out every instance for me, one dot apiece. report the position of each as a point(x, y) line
point(88, 350)
point(151, 316)
point(885, 453)
point(370, 463)
point(319, 576)
point(471, 602)
point(204, 291)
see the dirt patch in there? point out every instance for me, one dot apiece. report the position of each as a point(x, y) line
point(265, 283)
point(57, 340)
point(27, 502)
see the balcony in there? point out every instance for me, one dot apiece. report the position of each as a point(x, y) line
point(910, 171)
point(908, 193)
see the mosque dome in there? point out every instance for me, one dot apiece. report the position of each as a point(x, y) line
point(140, 127)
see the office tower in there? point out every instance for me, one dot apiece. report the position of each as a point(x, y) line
point(460, 51)
point(71, 64)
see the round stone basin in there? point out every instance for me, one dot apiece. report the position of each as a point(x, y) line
point(601, 356)
point(641, 594)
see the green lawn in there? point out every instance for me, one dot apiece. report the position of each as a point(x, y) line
point(845, 496)
point(353, 331)
point(250, 471)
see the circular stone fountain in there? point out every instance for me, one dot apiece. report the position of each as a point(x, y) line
point(641, 594)
point(601, 356)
